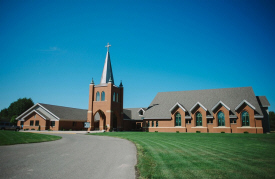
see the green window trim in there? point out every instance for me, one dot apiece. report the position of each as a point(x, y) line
point(221, 121)
point(178, 120)
point(245, 118)
point(198, 119)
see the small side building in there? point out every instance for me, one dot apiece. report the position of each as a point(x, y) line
point(52, 117)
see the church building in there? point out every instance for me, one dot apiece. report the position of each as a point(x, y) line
point(225, 110)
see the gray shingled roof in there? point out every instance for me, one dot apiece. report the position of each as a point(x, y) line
point(67, 113)
point(263, 101)
point(131, 114)
point(232, 97)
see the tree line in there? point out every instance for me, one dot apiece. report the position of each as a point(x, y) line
point(15, 109)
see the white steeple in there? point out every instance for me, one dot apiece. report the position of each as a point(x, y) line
point(107, 74)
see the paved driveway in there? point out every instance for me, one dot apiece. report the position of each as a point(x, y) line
point(75, 156)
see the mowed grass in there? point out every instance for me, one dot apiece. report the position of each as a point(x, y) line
point(192, 155)
point(12, 137)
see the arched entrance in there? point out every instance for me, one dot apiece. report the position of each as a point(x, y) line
point(99, 120)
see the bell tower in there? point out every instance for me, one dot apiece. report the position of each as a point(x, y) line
point(105, 109)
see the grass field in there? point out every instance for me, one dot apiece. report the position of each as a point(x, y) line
point(192, 155)
point(12, 137)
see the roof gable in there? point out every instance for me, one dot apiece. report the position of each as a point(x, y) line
point(198, 104)
point(220, 103)
point(245, 102)
point(179, 105)
point(36, 109)
point(34, 112)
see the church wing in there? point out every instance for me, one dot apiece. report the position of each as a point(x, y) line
point(207, 99)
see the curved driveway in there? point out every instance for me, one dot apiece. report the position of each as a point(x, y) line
point(75, 156)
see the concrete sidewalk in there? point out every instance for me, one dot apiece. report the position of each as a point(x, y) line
point(61, 132)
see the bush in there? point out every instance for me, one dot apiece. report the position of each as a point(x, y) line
point(198, 131)
point(38, 128)
point(70, 129)
point(177, 131)
point(32, 129)
point(50, 130)
point(245, 132)
point(156, 131)
point(222, 132)
point(26, 129)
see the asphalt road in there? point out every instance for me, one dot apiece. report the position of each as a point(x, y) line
point(75, 156)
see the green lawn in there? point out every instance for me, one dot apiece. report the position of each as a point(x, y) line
point(192, 155)
point(12, 137)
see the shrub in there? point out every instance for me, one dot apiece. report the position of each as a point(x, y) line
point(198, 131)
point(245, 132)
point(177, 131)
point(50, 130)
point(32, 129)
point(222, 132)
point(70, 129)
point(38, 128)
point(26, 129)
point(63, 129)
point(156, 131)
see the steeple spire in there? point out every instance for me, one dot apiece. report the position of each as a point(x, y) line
point(107, 73)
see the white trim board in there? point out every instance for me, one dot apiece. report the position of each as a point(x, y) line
point(244, 101)
point(220, 102)
point(198, 103)
point(179, 105)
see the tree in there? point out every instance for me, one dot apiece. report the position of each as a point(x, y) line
point(4, 114)
point(15, 109)
point(272, 120)
point(13, 119)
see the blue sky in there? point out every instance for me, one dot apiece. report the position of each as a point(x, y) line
point(51, 50)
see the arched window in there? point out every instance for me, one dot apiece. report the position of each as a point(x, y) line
point(198, 119)
point(102, 96)
point(221, 119)
point(114, 97)
point(245, 119)
point(117, 97)
point(97, 96)
point(178, 119)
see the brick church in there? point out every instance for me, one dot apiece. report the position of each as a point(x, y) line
point(228, 110)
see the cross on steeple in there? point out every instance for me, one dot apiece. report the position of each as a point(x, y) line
point(108, 47)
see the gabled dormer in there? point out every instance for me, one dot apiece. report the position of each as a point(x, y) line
point(141, 111)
